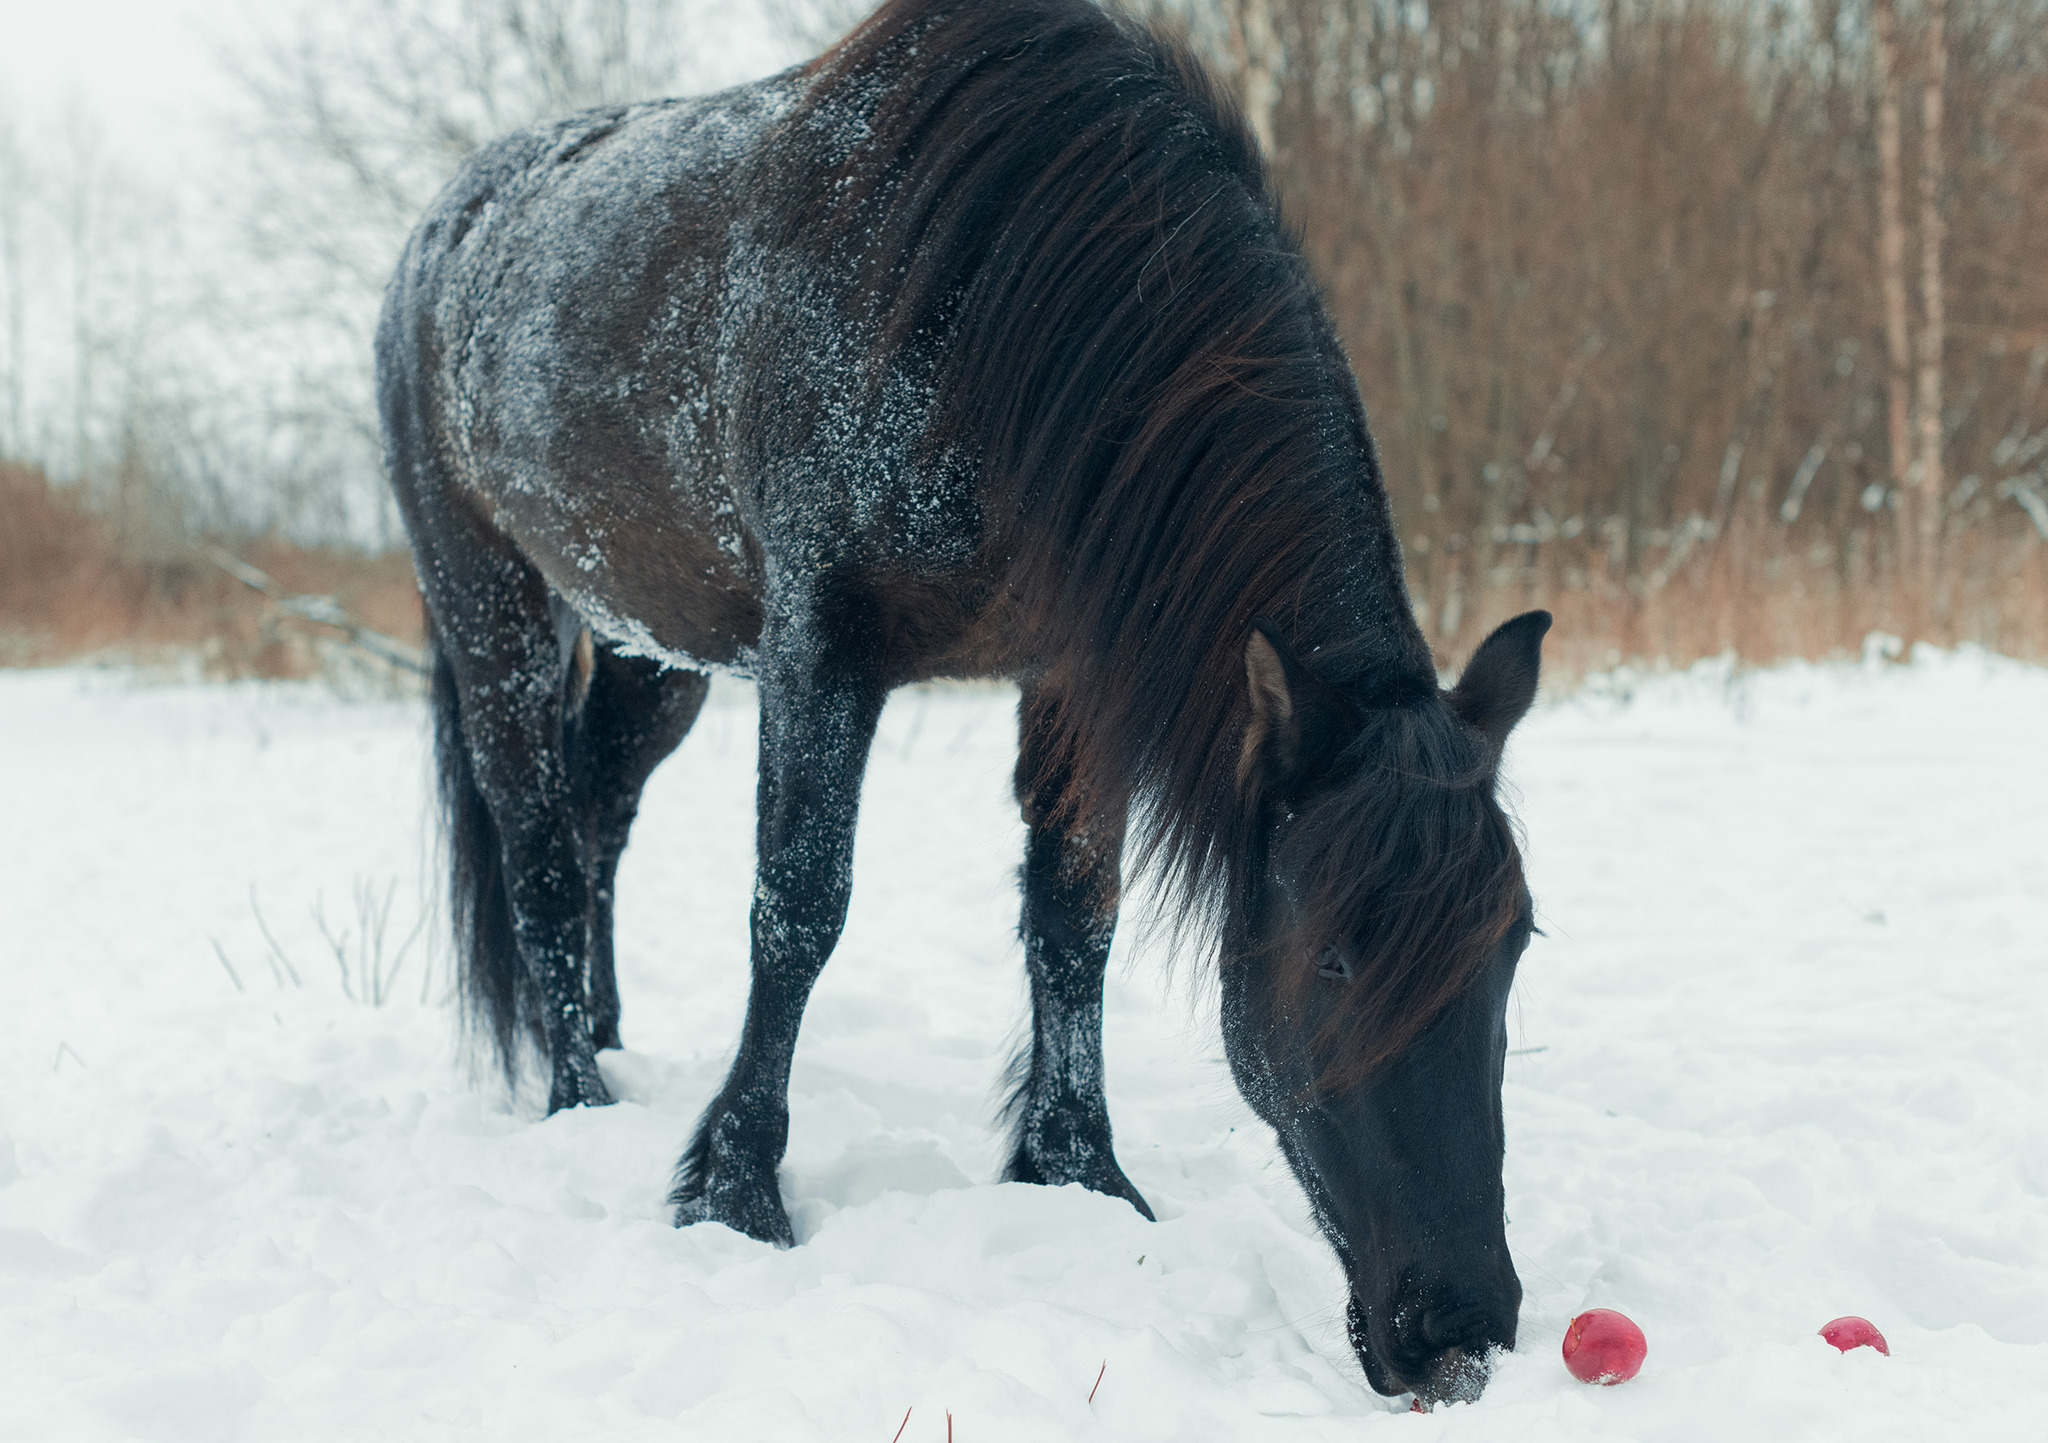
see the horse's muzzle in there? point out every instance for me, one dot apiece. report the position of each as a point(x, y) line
point(1440, 1354)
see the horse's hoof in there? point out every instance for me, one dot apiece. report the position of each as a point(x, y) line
point(1099, 1174)
point(1117, 1185)
point(763, 1220)
point(578, 1087)
point(562, 1099)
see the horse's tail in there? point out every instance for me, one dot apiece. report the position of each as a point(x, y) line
point(495, 1003)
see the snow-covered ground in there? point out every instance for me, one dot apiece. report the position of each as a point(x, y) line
point(1784, 1060)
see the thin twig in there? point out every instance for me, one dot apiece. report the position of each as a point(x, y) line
point(398, 962)
point(1098, 1379)
point(1525, 1051)
point(426, 967)
point(339, 948)
point(382, 980)
point(62, 1048)
point(901, 1426)
point(232, 975)
point(263, 926)
point(370, 955)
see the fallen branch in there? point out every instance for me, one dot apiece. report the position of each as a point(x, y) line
point(320, 611)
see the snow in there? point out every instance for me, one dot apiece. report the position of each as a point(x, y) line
point(1790, 1014)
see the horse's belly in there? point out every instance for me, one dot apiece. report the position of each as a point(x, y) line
point(698, 620)
point(613, 485)
point(652, 569)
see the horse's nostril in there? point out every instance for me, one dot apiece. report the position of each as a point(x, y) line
point(1458, 1377)
point(1439, 1349)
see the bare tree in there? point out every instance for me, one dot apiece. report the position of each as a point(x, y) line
point(1629, 289)
point(1891, 250)
point(812, 25)
point(16, 196)
point(1933, 490)
point(359, 114)
point(83, 158)
point(1256, 61)
point(369, 105)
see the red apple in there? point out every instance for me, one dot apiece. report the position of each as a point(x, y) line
point(1603, 1346)
point(1854, 1332)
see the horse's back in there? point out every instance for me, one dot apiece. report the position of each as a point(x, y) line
point(703, 358)
point(558, 321)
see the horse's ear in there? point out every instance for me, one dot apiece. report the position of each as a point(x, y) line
point(1297, 722)
point(1500, 681)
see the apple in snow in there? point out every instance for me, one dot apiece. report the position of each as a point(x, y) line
point(1854, 1332)
point(1603, 1346)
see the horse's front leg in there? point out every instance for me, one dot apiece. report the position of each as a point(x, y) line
point(634, 713)
point(821, 692)
point(1071, 866)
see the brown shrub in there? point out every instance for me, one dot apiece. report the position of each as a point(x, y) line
point(1613, 294)
point(1749, 595)
point(78, 580)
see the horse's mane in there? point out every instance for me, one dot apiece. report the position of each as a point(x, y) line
point(1066, 215)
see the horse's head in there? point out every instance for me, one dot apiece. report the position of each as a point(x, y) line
point(1372, 947)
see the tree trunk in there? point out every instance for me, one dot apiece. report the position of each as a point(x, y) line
point(1255, 52)
point(1891, 264)
point(13, 189)
point(1932, 488)
point(81, 236)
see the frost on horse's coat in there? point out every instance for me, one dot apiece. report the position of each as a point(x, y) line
point(547, 399)
point(975, 347)
point(594, 275)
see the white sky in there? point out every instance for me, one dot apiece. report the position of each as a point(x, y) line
point(147, 70)
point(143, 68)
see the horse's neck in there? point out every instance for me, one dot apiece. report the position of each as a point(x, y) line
point(1364, 631)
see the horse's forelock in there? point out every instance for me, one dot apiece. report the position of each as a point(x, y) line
point(1410, 866)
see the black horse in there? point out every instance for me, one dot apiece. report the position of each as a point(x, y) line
point(975, 347)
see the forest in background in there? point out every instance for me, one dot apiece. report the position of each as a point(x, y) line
point(1710, 326)
point(185, 367)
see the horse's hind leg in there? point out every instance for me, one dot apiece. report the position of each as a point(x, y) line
point(821, 693)
point(519, 890)
point(1071, 866)
point(629, 715)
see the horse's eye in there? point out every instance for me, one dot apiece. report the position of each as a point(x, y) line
point(1334, 965)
